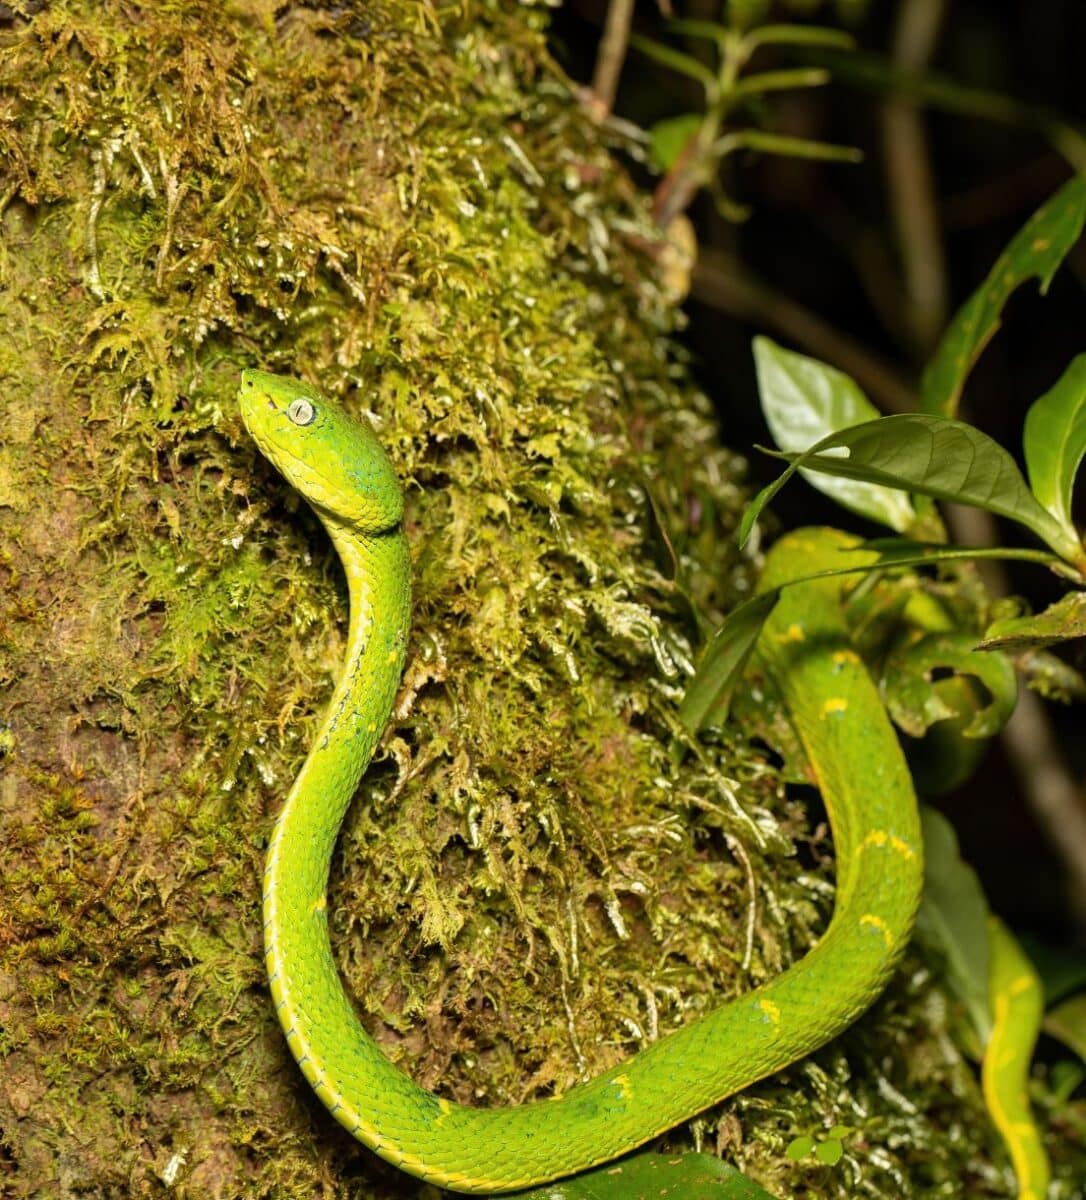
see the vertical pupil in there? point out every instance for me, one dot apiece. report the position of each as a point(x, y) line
point(301, 412)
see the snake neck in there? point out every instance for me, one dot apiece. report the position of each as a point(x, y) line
point(378, 581)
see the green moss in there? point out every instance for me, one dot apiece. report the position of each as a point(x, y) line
point(407, 208)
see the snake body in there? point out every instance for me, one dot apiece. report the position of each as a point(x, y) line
point(339, 467)
point(1017, 1001)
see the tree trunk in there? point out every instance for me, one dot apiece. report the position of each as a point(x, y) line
point(404, 205)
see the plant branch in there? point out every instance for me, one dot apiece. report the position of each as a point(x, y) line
point(612, 54)
point(910, 184)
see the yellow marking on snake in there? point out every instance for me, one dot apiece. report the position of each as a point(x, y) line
point(841, 657)
point(880, 838)
point(876, 922)
point(625, 1089)
point(834, 707)
point(794, 633)
point(771, 1011)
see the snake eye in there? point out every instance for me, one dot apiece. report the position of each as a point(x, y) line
point(301, 411)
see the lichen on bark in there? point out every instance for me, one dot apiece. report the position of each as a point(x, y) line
point(403, 204)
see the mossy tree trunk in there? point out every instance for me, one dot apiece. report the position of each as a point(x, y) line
point(403, 204)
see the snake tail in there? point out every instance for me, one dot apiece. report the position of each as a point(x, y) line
point(1017, 1002)
point(339, 467)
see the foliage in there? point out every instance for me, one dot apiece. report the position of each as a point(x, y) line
point(661, 1176)
point(823, 422)
point(1035, 252)
point(805, 401)
point(933, 456)
point(691, 147)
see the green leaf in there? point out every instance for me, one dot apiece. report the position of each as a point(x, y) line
point(953, 918)
point(676, 60)
point(916, 697)
point(1063, 1079)
point(662, 1176)
point(789, 147)
point(936, 456)
point(799, 35)
point(1055, 441)
point(1067, 1021)
point(780, 81)
point(670, 137)
point(829, 1152)
point(1059, 622)
point(709, 692)
point(798, 1148)
point(1036, 251)
point(804, 400)
point(840, 1132)
point(708, 30)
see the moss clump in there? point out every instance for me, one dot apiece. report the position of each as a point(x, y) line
point(404, 205)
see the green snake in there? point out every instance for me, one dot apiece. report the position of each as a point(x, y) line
point(1017, 1003)
point(340, 468)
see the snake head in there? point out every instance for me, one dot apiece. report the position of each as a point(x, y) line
point(335, 461)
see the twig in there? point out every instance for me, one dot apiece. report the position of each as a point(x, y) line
point(612, 54)
point(910, 184)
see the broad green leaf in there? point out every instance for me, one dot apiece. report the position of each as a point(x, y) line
point(1036, 251)
point(953, 918)
point(917, 697)
point(668, 138)
point(943, 759)
point(660, 1176)
point(1055, 441)
point(709, 692)
point(1060, 622)
point(1067, 1021)
point(804, 400)
point(935, 456)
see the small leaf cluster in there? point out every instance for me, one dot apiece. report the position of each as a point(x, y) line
point(884, 467)
point(693, 145)
point(827, 1148)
